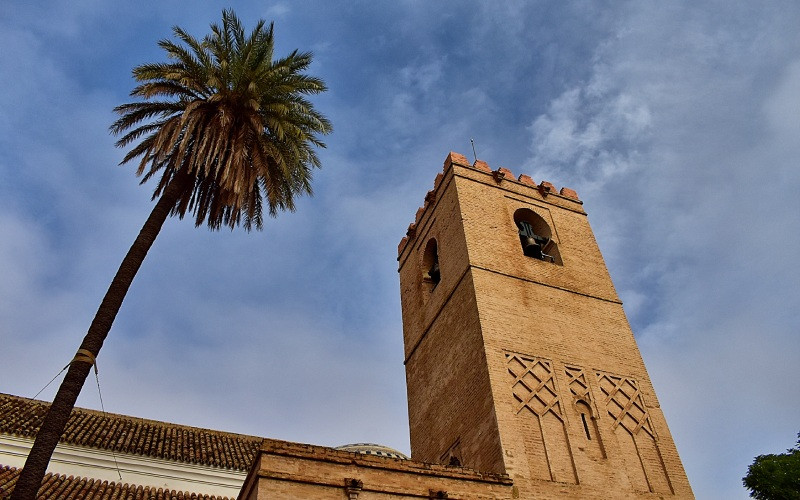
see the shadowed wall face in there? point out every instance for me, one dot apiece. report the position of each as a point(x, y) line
point(521, 359)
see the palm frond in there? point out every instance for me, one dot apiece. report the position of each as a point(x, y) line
point(226, 112)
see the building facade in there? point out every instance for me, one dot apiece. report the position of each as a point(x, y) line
point(519, 357)
point(523, 376)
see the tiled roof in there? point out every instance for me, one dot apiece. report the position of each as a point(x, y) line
point(73, 488)
point(124, 434)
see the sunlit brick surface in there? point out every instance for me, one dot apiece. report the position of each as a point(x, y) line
point(529, 366)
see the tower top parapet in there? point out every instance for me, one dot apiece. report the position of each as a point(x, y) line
point(500, 175)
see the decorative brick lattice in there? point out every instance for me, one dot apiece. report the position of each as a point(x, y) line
point(534, 386)
point(577, 383)
point(624, 403)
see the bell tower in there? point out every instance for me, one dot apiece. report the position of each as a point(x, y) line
point(519, 358)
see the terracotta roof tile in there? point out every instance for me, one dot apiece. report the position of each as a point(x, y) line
point(66, 487)
point(124, 434)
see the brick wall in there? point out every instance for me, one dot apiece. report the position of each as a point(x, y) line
point(446, 371)
point(530, 367)
point(286, 470)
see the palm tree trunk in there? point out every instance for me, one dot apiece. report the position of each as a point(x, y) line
point(55, 421)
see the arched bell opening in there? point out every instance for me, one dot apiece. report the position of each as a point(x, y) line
point(536, 237)
point(431, 275)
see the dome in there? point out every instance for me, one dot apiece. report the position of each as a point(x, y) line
point(372, 449)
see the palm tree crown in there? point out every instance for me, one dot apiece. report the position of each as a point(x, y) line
point(232, 118)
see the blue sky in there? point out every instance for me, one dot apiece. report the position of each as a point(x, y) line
point(676, 122)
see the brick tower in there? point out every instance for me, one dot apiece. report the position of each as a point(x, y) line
point(519, 357)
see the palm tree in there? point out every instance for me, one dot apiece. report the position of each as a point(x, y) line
point(225, 128)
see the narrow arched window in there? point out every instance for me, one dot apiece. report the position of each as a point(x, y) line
point(588, 424)
point(431, 273)
point(586, 418)
point(536, 237)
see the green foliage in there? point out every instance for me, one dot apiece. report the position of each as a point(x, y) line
point(234, 118)
point(775, 477)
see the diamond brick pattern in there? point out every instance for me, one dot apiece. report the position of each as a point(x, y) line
point(578, 386)
point(624, 403)
point(533, 385)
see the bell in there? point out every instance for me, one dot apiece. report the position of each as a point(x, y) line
point(434, 273)
point(531, 247)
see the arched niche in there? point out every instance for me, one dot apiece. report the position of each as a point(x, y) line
point(588, 423)
point(536, 237)
point(431, 275)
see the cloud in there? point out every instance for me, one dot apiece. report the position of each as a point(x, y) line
point(277, 10)
point(683, 141)
point(676, 123)
point(591, 133)
point(782, 107)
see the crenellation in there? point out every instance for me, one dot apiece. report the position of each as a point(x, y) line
point(546, 188)
point(437, 180)
point(482, 165)
point(526, 179)
point(503, 174)
point(455, 159)
point(418, 216)
point(402, 245)
point(569, 193)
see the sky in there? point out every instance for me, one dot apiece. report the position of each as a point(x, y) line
point(676, 122)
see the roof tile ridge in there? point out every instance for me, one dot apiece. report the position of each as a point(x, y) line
point(133, 419)
point(86, 487)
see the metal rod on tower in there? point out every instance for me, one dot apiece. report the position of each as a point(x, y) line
point(473, 149)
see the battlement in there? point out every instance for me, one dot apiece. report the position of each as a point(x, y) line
point(500, 176)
